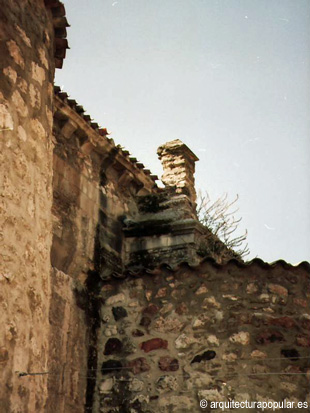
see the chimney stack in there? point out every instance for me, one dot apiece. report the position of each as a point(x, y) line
point(178, 162)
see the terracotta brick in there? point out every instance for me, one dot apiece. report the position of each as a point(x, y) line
point(153, 344)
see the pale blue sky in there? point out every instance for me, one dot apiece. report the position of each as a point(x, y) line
point(231, 78)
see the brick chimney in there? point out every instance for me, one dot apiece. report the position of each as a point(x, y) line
point(178, 163)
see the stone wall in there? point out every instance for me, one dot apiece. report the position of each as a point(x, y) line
point(215, 332)
point(95, 184)
point(68, 345)
point(80, 336)
point(108, 217)
point(26, 97)
point(94, 188)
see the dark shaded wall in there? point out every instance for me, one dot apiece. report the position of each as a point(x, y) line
point(68, 345)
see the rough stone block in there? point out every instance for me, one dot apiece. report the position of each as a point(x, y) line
point(114, 299)
point(278, 289)
point(184, 341)
point(167, 383)
point(242, 338)
point(286, 322)
point(119, 313)
point(139, 365)
point(111, 366)
point(268, 337)
point(113, 346)
point(206, 356)
point(151, 310)
point(303, 341)
point(168, 364)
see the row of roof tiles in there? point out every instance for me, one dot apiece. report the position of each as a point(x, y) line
point(101, 131)
point(304, 265)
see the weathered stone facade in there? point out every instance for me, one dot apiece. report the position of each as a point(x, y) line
point(217, 332)
point(107, 304)
point(26, 118)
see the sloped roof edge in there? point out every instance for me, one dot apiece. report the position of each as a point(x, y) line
point(102, 132)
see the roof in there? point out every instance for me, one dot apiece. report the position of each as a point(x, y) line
point(75, 109)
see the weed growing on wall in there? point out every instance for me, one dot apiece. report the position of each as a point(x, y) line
point(219, 218)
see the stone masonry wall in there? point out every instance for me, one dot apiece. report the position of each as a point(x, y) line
point(82, 221)
point(95, 183)
point(68, 344)
point(169, 339)
point(79, 336)
point(26, 96)
point(93, 192)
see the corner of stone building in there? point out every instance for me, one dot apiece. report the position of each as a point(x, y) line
point(27, 68)
point(32, 44)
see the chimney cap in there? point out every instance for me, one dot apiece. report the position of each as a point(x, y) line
point(176, 147)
